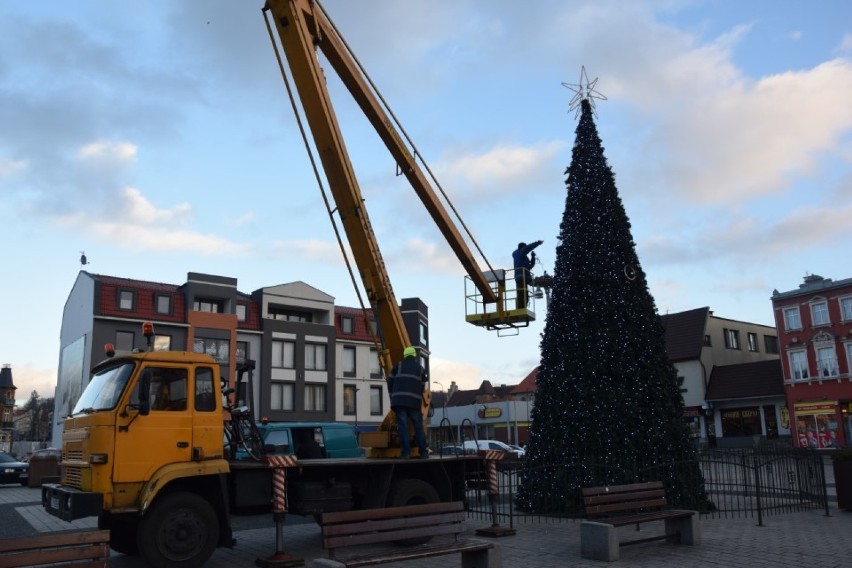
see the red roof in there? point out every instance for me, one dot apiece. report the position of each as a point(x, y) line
point(360, 331)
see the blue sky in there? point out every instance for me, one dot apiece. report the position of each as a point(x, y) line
point(157, 137)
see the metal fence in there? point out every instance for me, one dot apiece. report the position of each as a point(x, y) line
point(743, 483)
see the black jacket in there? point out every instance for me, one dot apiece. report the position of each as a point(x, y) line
point(406, 383)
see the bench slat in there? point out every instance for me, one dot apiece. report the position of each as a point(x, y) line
point(389, 536)
point(423, 552)
point(648, 517)
point(74, 548)
point(624, 497)
point(627, 488)
point(598, 510)
point(369, 526)
point(390, 513)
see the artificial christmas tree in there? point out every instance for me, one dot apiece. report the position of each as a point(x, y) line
point(608, 408)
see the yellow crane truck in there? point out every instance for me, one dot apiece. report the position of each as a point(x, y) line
point(157, 476)
point(143, 451)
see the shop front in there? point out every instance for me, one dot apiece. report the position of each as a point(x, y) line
point(819, 425)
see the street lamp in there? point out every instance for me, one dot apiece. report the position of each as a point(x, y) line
point(444, 405)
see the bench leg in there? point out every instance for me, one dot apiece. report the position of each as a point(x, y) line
point(488, 558)
point(598, 541)
point(688, 527)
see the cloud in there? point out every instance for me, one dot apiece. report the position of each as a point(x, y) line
point(314, 250)
point(465, 375)
point(109, 151)
point(845, 43)
point(500, 170)
point(9, 167)
point(28, 378)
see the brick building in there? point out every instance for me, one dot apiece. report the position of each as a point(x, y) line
point(814, 325)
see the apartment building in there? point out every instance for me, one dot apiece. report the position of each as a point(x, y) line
point(814, 325)
point(309, 354)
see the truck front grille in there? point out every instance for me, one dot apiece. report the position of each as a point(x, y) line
point(73, 476)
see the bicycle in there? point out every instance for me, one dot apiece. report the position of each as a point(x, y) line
point(241, 433)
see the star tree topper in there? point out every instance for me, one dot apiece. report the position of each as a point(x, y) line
point(584, 90)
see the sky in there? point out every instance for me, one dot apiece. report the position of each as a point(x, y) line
point(157, 138)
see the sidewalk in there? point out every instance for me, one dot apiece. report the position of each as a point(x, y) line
point(789, 540)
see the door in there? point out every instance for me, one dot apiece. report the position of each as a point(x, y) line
point(146, 443)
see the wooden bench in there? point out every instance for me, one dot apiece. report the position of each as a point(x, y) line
point(610, 507)
point(403, 525)
point(76, 549)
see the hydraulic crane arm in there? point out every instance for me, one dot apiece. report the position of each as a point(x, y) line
point(303, 27)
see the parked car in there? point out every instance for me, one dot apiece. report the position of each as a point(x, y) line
point(12, 470)
point(452, 451)
point(470, 446)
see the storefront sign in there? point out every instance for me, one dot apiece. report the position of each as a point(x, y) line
point(492, 412)
point(815, 407)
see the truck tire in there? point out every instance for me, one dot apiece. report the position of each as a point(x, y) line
point(180, 531)
point(412, 492)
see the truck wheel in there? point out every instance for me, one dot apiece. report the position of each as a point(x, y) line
point(412, 492)
point(181, 531)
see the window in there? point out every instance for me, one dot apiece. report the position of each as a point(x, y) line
point(770, 344)
point(219, 349)
point(707, 342)
point(125, 299)
point(168, 388)
point(315, 397)
point(799, 365)
point(289, 315)
point(204, 395)
point(315, 357)
point(819, 313)
point(827, 361)
point(849, 357)
point(741, 421)
point(241, 312)
point(374, 328)
point(347, 324)
point(281, 396)
point(208, 305)
point(162, 342)
point(752, 342)
point(791, 319)
point(163, 304)
point(846, 308)
point(283, 354)
point(348, 361)
point(424, 338)
point(242, 351)
point(732, 339)
point(375, 368)
point(376, 401)
point(349, 404)
point(124, 340)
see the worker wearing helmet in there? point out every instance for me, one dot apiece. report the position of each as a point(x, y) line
point(406, 392)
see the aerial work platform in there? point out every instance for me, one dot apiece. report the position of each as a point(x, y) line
point(510, 312)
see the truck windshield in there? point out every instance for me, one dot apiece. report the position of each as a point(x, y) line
point(104, 389)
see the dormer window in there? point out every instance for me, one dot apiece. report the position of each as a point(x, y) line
point(126, 300)
point(347, 324)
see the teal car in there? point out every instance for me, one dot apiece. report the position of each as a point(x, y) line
point(310, 440)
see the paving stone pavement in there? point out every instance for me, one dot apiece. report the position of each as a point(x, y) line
point(789, 540)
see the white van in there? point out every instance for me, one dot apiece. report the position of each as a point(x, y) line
point(470, 446)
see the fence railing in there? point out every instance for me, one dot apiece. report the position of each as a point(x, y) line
point(750, 483)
